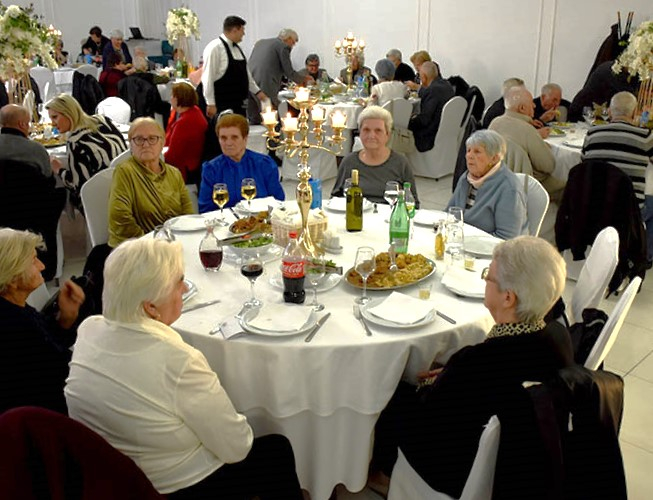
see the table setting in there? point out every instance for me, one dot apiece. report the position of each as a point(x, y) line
point(566, 146)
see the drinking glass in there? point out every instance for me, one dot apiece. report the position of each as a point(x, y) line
point(365, 265)
point(163, 232)
point(605, 113)
point(410, 203)
point(455, 238)
point(252, 268)
point(248, 190)
point(391, 193)
point(315, 272)
point(221, 198)
point(588, 114)
point(346, 186)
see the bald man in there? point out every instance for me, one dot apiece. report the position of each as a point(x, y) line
point(15, 144)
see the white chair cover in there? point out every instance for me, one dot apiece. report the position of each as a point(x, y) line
point(88, 69)
point(39, 297)
point(537, 202)
point(95, 199)
point(595, 274)
point(612, 327)
point(42, 76)
point(406, 484)
point(401, 111)
point(441, 160)
point(121, 157)
point(115, 108)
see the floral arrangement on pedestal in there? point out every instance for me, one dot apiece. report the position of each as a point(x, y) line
point(182, 23)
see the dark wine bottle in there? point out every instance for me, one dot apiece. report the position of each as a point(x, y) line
point(354, 204)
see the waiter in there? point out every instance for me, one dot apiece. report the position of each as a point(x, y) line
point(226, 80)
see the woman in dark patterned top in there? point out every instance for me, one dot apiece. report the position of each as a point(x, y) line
point(93, 141)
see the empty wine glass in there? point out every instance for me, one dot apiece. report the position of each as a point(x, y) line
point(221, 198)
point(248, 190)
point(365, 265)
point(252, 268)
point(391, 193)
point(588, 114)
point(315, 272)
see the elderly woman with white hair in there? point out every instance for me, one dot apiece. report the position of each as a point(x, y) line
point(376, 162)
point(135, 381)
point(35, 346)
point(489, 192)
point(387, 89)
point(439, 426)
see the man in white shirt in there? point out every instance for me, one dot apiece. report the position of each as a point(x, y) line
point(226, 79)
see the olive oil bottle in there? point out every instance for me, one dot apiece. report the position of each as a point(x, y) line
point(354, 204)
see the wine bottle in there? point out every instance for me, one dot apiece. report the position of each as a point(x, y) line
point(354, 204)
point(400, 225)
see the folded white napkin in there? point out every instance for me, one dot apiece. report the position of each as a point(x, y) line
point(258, 204)
point(463, 282)
point(402, 309)
point(280, 317)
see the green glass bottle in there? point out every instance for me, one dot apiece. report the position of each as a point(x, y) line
point(400, 225)
point(354, 204)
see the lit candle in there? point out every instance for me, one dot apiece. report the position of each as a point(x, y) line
point(354, 44)
point(269, 117)
point(317, 114)
point(350, 35)
point(338, 44)
point(338, 119)
point(289, 124)
point(361, 44)
point(302, 94)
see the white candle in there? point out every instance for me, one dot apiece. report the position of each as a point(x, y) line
point(338, 119)
point(338, 44)
point(361, 44)
point(289, 124)
point(354, 44)
point(317, 114)
point(269, 117)
point(350, 35)
point(302, 94)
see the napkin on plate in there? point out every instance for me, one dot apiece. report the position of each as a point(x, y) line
point(463, 282)
point(402, 309)
point(258, 204)
point(279, 317)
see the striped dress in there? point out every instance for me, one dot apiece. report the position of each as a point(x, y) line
point(626, 146)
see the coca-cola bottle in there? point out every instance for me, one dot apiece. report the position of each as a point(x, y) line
point(292, 270)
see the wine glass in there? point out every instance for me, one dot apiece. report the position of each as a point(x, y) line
point(588, 114)
point(248, 191)
point(221, 198)
point(252, 268)
point(315, 272)
point(605, 113)
point(410, 203)
point(391, 193)
point(365, 266)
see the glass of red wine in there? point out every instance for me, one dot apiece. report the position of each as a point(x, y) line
point(210, 250)
point(252, 268)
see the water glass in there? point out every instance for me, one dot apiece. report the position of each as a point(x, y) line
point(365, 265)
point(315, 272)
point(455, 236)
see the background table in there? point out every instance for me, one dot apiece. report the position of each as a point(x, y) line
point(325, 396)
point(567, 156)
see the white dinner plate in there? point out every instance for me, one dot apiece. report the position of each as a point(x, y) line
point(258, 205)
point(429, 318)
point(251, 314)
point(481, 245)
point(187, 223)
point(192, 290)
point(574, 143)
point(337, 204)
point(428, 217)
point(328, 282)
point(464, 283)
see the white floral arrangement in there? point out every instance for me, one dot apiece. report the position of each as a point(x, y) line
point(182, 22)
point(23, 38)
point(637, 59)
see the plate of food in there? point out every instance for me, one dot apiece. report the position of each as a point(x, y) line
point(413, 268)
point(561, 124)
point(339, 204)
point(274, 321)
point(481, 245)
point(51, 142)
point(261, 244)
point(249, 224)
point(556, 132)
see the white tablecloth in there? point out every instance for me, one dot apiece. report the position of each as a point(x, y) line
point(325, 396)
point(567, 150)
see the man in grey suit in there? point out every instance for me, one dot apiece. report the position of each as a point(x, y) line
point(270, 60)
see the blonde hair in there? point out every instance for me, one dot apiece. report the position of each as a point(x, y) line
point(16, 254)
point(68, 106)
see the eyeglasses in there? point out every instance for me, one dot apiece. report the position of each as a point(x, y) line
point(151, 140)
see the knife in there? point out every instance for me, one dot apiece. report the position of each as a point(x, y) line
point(231, 209)
point(199, 306)
point(446, 318)
point(319, 324)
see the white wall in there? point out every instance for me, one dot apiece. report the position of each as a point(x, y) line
point(483, 41)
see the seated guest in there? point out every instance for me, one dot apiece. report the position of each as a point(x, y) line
point(313, 69)
point(185, 133)
point(95, 44)
point(497, 108)
point(111, 76)
point(418, 58)
point(387, 89)
point(145, 191)
point(119, 47)
point(439, 426)
point(515, 124)
point(629, 147)
point(358, 69)
point(35, 347)
point(15, 144)
point(237, 163)
point(141, 62)
point(435, 93)
point(60, 55)
point(376, 163)
point(403, 73)
point(134, 381)
point(490, 193)
point(550, 106)
point(93, 141)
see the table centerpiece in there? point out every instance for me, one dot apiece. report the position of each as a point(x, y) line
point(181, 24)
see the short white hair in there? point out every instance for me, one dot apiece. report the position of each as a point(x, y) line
point(492, 142)
point(534, 270)
point(116, 34)
point(16, 254)
point(623, 104)
point(286, 33)
point(514, 96)
point(547, 88)
point(138, 271)
point(394, 53)
point(376, 113)
point(510, 83)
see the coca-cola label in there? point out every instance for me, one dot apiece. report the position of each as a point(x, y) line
point(292, 268)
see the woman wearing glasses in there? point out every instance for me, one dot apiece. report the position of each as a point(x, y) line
point(145, 191)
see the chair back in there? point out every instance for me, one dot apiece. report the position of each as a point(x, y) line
point(95, 199)
point(42, 76)
point(517, 159)
point(401, 111)
point(405, 483)
point(88, 69)
point(595, 274)
point(537, 202)
point(120, 158)
point(612, 327)
point(116, 109)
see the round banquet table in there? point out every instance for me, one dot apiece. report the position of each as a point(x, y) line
point(326, 395)
point(567, 149)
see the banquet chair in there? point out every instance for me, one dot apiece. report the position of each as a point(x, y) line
point(95, 200)
point(595, 274)
point(88, 69)
point(116, 109)
point(120, 158)
point(42, 76)
point(405, 483)
point(440, 161)
point(401, 111)
point(537, 202)
point(613, 326)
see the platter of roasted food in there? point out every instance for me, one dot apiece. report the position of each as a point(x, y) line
point(50, 142)
point(259, 223)
point(411, 269)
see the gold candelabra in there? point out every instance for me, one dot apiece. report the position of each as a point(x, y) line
point(349, 47)
point(296, 141)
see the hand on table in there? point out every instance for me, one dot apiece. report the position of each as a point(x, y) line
point(544, 132)
point(412, 85)
point(71, 297)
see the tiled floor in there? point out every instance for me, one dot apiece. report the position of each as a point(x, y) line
point(631, 356)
